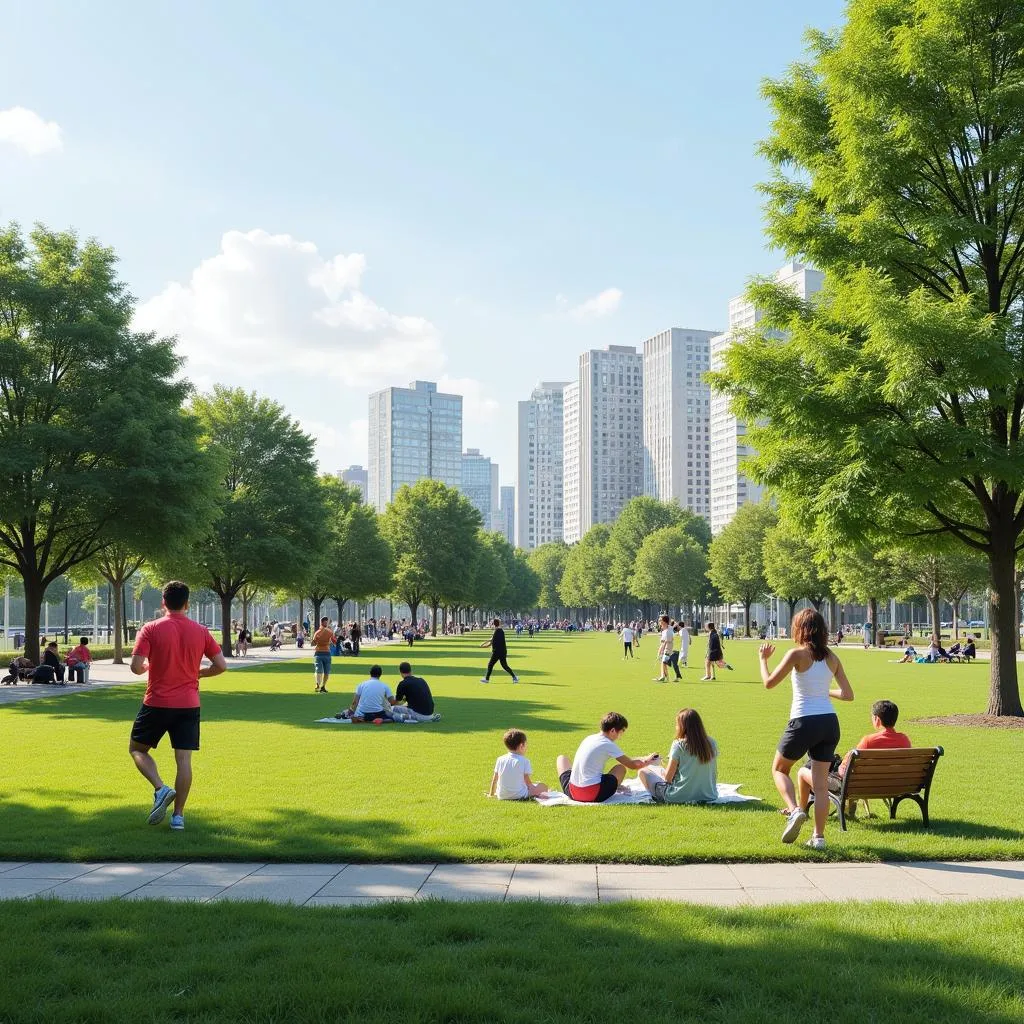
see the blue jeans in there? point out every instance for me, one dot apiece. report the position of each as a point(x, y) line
point(322, 663)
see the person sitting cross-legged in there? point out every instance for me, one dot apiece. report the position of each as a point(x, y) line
point(584, 778)
point(884, 714)
point(373, 699)
point(413, 700)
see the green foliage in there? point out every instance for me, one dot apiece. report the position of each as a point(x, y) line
point(585, 580)
point(790, 569)
point(639, 518)
point(670, 568)
point(488, 578)
point(736, 556)
point(898, 399)
point(325, 564)
point(271, 507)
point(367, 561)
point(432, 531)
point(548, 562)
point(82, 460)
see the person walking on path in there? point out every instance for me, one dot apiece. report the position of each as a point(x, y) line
point(499, 653)
point(813, 724)
point(322, 640)
point(171, 651)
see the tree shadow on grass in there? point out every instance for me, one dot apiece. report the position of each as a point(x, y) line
point(459, 714)
point(515, 963)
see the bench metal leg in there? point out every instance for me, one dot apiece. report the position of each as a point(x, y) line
point(920, 801)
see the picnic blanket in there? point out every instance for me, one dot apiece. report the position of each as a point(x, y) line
point(348, 721)
point(728, 793)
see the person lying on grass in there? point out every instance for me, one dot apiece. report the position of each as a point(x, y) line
point(884, 714)
point(690, 777)
point(373, 699)
point(584, 778)
point(511, 779)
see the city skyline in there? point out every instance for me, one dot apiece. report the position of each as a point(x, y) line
point(320, 235)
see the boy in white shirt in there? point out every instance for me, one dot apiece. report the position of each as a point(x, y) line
point(584, 778)
point(511, 779)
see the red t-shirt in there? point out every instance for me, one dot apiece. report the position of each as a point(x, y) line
point(175, 646)
point(887, 739)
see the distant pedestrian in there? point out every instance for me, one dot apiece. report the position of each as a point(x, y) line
point(715, 655)
point(171, 651)
point(499, 652)
point(322, 640)
point(627, 642)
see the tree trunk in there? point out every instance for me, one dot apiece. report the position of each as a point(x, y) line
point(956, 618)
point(746, 618)
point(33, 605)
point(933, 610)
point(340, 602)
point(413, 609)
point(1004, 693)
point(300, 609)
point(316, 602)
point(225, 623)
point(873, 619)
point(118, 588)
point(433, 620)
point(124, 612)
point(245, 611)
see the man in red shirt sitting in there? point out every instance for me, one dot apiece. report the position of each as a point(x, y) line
point(171, 649)
point(884, 714)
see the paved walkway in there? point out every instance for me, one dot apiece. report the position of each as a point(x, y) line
point(725, 885)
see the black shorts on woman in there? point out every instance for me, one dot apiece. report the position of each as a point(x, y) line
point(816, 735)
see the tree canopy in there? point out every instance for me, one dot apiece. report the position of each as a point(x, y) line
point(736, 557)
point(670, 568)
point(548, 562)
point(898, 398)
point(585, 580)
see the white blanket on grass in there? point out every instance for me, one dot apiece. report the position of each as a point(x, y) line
point(348, 721)
point(728, 793)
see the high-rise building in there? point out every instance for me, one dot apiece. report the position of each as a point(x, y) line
point(730, 488)
point(571, 463)
point(414, 433)
point(539, 501)
point(607, 452)
point(507, 514)
point(357, 477)
point(480, 485)
point(677, 417)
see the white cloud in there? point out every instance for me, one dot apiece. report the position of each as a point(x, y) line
point(275, 304)
point(602, 304)
point(478, 408)
point(338, 447)
point(26, 130)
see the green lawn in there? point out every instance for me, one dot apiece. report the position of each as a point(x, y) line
point(271, 784)
point(432, 962)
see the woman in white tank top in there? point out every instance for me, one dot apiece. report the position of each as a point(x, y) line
point(813, 724)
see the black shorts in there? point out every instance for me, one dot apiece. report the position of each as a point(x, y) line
point(181, 724)
point(609, 784)
point(817, 735)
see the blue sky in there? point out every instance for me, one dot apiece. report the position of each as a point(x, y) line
point(322, 199)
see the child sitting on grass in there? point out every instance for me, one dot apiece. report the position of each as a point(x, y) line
point(511, 778)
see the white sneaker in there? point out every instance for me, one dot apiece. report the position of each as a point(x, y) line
point(485, 680)
point(515, 679)
point(794, 823)
point(815, 843)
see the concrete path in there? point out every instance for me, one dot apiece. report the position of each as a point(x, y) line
point(725, 885)
point(105, 674)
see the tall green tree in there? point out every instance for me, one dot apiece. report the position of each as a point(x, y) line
point(272, 518)
point(866, 573)
point(325, 565)
point(367, 562)
point(736, 557)
point(899, 398)
point(585, 580)
point(670, 568)
point(790, 569)
point(488, 576)
point(639, 518)
point(548, 562)
point(92, 435)
point(431, 529)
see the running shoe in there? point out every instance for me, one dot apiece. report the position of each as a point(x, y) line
point(178, 822)
point(436, 716)
point(515, 679)
point(794, 823)
point(485, 680)
point(815, 843)
point(162, 799)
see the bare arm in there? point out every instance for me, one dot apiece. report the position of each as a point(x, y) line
point(845, 691)
point(671, 768)
point(769, 678)
point(636, 763)
point(138, 666)
point(218, 664)
point(494, 784)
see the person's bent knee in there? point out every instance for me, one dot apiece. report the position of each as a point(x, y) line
point(135, 747)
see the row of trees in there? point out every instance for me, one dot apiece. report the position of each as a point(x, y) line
point(110, 467)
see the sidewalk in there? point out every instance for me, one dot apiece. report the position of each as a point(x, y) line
point(105, 674)
point(724, 885)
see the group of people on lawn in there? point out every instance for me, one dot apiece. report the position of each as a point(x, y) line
point(51, 669)
point(809, 740)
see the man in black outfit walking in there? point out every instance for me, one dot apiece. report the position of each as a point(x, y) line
point(499, 652)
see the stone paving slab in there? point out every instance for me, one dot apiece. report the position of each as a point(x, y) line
point(726, 885)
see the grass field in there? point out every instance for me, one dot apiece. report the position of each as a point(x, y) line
point(432, 962)
point(272, 785)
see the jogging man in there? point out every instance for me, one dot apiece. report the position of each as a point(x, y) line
point(499, 652)
point(171, 650)
point(322, 640)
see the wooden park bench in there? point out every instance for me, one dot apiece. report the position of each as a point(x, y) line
point(889, 775)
